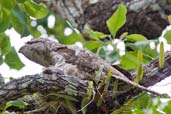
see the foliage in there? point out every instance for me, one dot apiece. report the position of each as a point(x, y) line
point(59, 29)
point(87, 100)
point(12, 59)
point(144, 104)
point(139, 75)
point(17, 103)
point(20, 14)
point(169, 18)
point(117, 20)
point(16, 14)
point(161, 55)
point(167, 36)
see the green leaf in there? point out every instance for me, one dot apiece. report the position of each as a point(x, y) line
point(4, 20)
point(167, 109)
point(107, 80)
point(98, 74)
point(123, 35)
point(59, 29)
point(83, 104)
point(5, 43)
point(129, 60)
point(142, 101)
point(167, 36)
point(8, 4)
point(100, 100)
point(139, 102)
point(115, 87)
point(156, 111)
point(140, 44)
point(35, 10)
point(101, 52)
point(86, 100)
point(90, 89)
point(140, 56)
point(138, 111)
point(150, 53)
point(161, 55)
point(66, 97)
point(96, 35)
point(35, 33)
point(74, 37)
point(20, 21)
point(112, 57)
point(92, 45)
point(139, 74)
point(71, 107)
point(117, 20)
point(12, 59)
point(169, 18)
point(136, 37)
point(16, 103)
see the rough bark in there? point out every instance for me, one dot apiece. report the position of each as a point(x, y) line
point(43, 83)
point(147, 17)
point(69, 70)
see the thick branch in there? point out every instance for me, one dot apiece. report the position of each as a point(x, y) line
point(43, 83)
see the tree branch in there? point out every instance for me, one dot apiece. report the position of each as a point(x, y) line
point(43, 83)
